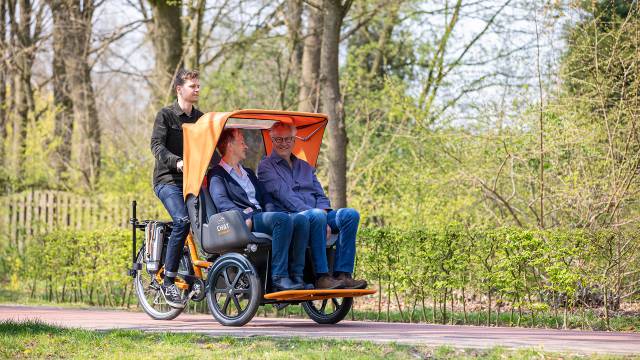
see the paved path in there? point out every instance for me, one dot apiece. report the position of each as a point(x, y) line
point(424, 334)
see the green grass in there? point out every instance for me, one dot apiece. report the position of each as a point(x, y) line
point(38, 340)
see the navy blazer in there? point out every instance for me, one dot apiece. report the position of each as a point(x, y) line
point(227, 194)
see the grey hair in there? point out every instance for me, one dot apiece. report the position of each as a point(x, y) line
point(281, 125)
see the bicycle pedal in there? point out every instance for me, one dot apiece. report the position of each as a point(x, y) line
point(280, 306)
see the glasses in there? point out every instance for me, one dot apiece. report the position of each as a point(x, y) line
point(281, 139)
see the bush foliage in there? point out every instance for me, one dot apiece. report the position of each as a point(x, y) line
point(526, 273)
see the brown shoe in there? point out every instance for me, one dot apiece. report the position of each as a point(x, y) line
point(351, 283)
point(329, 282)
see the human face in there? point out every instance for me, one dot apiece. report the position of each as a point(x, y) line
point(283, 142)
point(189, 91)
point(237, 147)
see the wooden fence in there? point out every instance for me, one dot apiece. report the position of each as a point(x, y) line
point(29, 213)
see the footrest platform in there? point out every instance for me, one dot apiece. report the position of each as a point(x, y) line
point(320, 294)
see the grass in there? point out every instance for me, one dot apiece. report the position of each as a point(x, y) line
point(38, 340)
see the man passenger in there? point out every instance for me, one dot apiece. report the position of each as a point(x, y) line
point(234, 187)
point(293, 184)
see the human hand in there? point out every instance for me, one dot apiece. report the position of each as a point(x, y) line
point(179, 165)
point(328, 232)
point(249, 223)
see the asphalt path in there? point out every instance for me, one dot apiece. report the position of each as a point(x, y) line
point(478, 337)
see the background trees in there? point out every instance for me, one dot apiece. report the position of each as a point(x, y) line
point(434, 107)
point(447, 120)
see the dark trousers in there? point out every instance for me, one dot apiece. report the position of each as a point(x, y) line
point(173, 201)
point(278, 225)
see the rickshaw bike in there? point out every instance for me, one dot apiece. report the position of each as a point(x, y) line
point(224, 262)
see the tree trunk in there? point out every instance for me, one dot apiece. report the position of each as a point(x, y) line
point(23, 40)
point(332, 102)
point(379, 60)
point(3, 79)
point(63, 128)
point(308, 97)
point(86, 116)
point(194, 41)
point(293, 19)
point(74, 50)
point(166, 37)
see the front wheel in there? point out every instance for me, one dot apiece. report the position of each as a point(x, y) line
point(148, 293)
point(234, 290)
point(328, 311)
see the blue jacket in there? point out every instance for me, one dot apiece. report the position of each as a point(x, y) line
point(227, 194)
point(292, 189)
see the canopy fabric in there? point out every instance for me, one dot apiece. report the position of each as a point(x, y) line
point(201, 138)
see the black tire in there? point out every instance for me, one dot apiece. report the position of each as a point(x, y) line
point(233, 291)
point(148, 291)
point(328, 311)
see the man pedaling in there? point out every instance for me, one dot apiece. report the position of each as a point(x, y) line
point(167, 148)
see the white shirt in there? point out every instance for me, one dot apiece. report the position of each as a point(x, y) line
point(244, 181)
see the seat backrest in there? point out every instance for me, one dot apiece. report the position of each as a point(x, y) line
point(208, 206)
point(201, 208)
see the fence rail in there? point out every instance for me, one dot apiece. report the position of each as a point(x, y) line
point(30, 213)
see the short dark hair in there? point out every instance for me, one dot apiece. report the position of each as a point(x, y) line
point(183, 75)
point(226, 137)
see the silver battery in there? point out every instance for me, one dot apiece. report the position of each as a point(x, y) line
point(154, 234)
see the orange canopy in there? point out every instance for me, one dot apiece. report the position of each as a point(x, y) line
point(201, 138)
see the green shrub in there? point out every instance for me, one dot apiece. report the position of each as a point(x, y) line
point(528, 273)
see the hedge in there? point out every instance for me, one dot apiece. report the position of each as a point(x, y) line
point(423, 273)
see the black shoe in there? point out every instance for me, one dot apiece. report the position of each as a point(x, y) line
point(172, 296)
point(300, 280)
point(284, 283)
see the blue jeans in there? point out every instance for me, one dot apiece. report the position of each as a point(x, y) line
point(280, 227)
point(345, 221)
point(299, 242)
point(173, 201)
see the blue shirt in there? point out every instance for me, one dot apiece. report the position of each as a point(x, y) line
point(293, 189)
point(244, 181)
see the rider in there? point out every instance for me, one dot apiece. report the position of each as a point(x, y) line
point(234, 187)
point(166, 145)
point(293, 184)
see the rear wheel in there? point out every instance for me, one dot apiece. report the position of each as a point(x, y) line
point(328, 311)
point(234, 291)
point(148, 291)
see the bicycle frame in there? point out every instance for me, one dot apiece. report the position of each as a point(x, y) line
point(197, 264)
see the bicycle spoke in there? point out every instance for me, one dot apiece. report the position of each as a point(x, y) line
point(157, 298)
point(237, 304)
point(324, 304)
point(335, 303)
point(226, 304)
point(235, 281)
point(226, 277)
